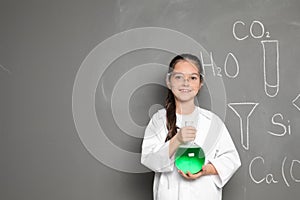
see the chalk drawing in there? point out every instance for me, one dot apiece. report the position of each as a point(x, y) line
point(244, 111)
point(296, 102)
point(271, 67)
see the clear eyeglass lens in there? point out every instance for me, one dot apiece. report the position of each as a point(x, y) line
point(180, 77)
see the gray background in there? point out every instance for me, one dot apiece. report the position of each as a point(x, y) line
point(42, 46)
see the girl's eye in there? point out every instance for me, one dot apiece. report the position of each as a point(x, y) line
point(179, 77)
point(194, 78)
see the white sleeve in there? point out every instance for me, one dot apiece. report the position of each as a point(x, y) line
point(155, 151)
point(226, 159)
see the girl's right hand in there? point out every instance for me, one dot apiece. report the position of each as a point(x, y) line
point(186, 134)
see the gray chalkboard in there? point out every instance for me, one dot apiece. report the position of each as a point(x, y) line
point(81, 79)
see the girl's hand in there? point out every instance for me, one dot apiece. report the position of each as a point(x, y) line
point(186, 134)
point(207, 169)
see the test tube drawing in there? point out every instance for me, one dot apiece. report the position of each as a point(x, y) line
point(271, 67)
point(244, 111)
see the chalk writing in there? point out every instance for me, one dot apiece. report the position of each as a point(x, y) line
point(252, 29)
point(236, 64)
point(270, 54)
point(210, 64)
point(269, 178)
point(291, 170)
point(217, 71)
point(272, 178)
point(282, 172)
point(279, 123)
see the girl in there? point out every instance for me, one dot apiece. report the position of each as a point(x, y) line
point(166, 132)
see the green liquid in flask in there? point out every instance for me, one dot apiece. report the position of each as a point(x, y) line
point(189, 158)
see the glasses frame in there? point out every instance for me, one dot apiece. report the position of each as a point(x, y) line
point(200, 76)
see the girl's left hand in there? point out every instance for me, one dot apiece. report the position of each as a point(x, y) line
point(207, 169)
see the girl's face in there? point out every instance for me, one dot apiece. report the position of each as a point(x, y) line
point(184, 81)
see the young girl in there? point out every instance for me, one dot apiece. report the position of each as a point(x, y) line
point(166, 131)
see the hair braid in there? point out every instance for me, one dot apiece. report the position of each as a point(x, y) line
point(171, 115)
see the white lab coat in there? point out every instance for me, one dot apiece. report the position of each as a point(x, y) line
point(212, 136)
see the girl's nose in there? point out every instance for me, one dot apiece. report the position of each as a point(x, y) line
point(186, 81)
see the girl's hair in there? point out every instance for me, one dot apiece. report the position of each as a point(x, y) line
point(170, 100)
